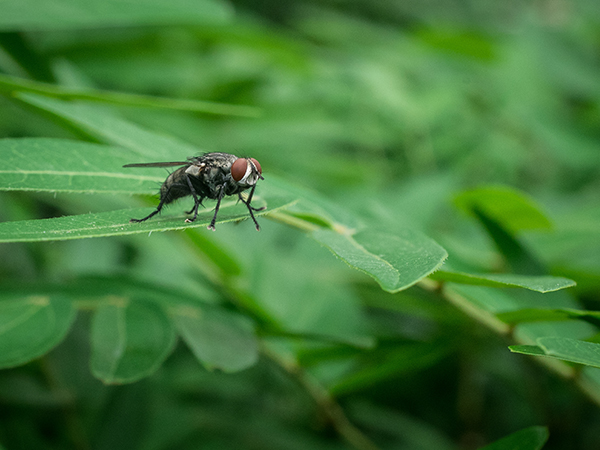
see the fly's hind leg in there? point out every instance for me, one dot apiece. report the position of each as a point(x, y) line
point(153, 213)
point(219, 198)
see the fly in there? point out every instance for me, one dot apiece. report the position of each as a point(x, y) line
point(213, 176)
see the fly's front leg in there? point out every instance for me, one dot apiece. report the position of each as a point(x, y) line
point(250, 208)
point(197, 201)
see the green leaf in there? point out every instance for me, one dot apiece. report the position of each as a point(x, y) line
point(534, 283)
point(532, 438)
point(14, 84)
point(396, 261)
point(31, 326)
point(565, 349)
point(104, 124)
point(130, 340)
point(547, 315)
point(509, 207)
point(19, 15)
point(116, 223)
point(60, 165)
point(219, 339)
point(532, 350)
point(517, 255)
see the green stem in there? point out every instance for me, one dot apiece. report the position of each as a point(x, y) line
point(325, 402)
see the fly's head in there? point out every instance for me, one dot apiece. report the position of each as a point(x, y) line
point(246, 172)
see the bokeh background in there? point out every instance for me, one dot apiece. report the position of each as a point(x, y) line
point(389, 109)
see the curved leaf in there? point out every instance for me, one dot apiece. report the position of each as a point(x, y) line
point(509, 207)
point(219, 339)
point(31, 326)
point(130, 340)
point(534, 283)
point(396, 261)
point(565, 349)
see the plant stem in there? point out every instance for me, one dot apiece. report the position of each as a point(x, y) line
point(324, 401)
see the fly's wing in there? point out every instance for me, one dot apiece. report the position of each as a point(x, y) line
point(158, 164)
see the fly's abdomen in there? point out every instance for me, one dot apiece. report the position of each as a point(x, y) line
point(175, 186)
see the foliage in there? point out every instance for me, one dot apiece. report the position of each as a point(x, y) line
point(446, 154)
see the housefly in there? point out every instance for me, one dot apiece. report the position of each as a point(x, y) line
point(211, 175)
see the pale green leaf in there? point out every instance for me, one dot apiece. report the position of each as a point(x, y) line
point(130, 340)
point(532, 350)
point(219, 339)
point(509, 207)
point(32, 325)
point(395, 260)
point(565, 349)
point(534, 283)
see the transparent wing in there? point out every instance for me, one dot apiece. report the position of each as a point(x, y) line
point(159, 164)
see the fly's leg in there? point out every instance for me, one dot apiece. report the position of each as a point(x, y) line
point(155, 212)
point(247, 202)
point(219, 197)
point(197, 201)
point(250, 208)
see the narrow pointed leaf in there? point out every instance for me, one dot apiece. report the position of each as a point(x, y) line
point(130, 340)
point(532, 350)
point(105, 125)
point(396, 261)
point(572, 350)
point(531, 282)
point(14, 84)
point(220, 340)
point(31, 326)
point(116, 223)
point(565, 349)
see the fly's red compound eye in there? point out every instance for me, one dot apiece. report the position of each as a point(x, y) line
point(238, 168)
point(257, 165)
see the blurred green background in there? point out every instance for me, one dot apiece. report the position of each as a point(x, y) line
point(388, 109)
